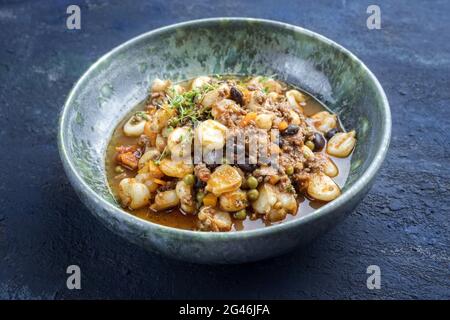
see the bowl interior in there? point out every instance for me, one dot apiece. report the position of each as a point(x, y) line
point(121, 79)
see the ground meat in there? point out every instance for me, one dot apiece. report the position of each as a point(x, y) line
point(296, 139)
point(301, 181)
point(316, 163)
point(202, 172)
point(144, 142)
point(265, 171)
point(206, 220)
point(285, 184)
point(292, 155)
point(229, 114)
point(210, 219)
point(170, 185)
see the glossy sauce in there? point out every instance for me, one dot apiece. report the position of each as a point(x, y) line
point(175, 218)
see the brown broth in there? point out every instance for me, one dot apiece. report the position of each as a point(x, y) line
point(175, 218)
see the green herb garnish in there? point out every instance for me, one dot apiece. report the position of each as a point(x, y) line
point(188, 107)
point(142, 115)
point(161, 156)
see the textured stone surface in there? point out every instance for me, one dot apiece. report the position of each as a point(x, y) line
point(402, 225)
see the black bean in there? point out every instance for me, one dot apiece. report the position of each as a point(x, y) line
point(212, 166)
point(138, 153)
point(291, 130)
point(247, 167)
point(331, 133)
point(236, 95)
point(319, 141)
point(199, 184)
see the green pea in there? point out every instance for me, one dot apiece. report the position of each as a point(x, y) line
point(189, 179)
point(119, 169)
point(240, 215)
point(253, 194)
point(310, 145)
point(252, 182)
point(200, 196)
point(290, 170)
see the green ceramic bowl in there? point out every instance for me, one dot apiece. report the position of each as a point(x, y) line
point(121, 78)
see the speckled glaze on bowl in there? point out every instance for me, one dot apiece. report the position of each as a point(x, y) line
point(121, 78)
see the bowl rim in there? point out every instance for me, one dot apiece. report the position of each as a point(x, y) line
point(124, 216)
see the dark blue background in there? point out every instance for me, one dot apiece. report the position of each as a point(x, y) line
point(402, 225)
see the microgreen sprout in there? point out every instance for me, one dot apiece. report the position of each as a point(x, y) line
point(188, 107)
